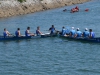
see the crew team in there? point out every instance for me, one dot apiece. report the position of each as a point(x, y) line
point(77, 33)
point(65, 32)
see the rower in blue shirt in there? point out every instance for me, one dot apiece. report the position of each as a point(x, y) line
point(72, 32)
point(17, 33)
point(78, 33)
point(67, 31)
point(91, 34)
point(27, 32)
point(63, 31)
point(86, 33)
point(6, 33)
point(38, 32)
point(52, 29)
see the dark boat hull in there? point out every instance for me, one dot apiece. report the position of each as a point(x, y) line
point(8, 38)
point(92, 40)
point(13, 38)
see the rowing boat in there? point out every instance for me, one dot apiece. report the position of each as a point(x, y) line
point(8, 38)
point(82, 39)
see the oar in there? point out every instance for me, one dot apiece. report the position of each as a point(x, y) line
point(12, 34)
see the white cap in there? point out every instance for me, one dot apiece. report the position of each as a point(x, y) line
point(86, 28)
point(72, 27)
point(77, 28)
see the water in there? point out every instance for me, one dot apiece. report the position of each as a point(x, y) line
point(52, 56)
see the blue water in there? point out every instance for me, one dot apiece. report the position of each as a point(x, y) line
point(52, 56)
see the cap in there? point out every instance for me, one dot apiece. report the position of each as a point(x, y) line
point(77, 28)
point(72, 27)
point(86, 29)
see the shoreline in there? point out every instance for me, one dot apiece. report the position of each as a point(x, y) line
point(13, 7)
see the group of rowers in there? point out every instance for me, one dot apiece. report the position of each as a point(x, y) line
point(64, 32)
point(76, 9)
point(27, 32)
point(18, 33)
point(77, 33)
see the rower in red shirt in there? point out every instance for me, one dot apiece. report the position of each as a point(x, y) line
point(77, 8)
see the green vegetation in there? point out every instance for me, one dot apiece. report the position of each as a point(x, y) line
point(21, 1)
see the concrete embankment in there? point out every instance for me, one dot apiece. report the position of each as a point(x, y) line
point(14, 7)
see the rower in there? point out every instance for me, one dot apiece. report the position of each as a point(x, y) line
point(6, 33)
point(77, 8)
point(17, 33)
point(52, 29)
point(91, 34)
point(86, 9)
point(67, 31)
point(73, 10)
point(63, 31)
point(65, 10)
point(38, 32)
point(27, 32)
point(78, 33)
point(86, 33)
point(72, 32)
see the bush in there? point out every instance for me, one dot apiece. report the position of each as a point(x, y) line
point(21, 1)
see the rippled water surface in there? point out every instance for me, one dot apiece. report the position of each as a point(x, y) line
point(52, 56)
